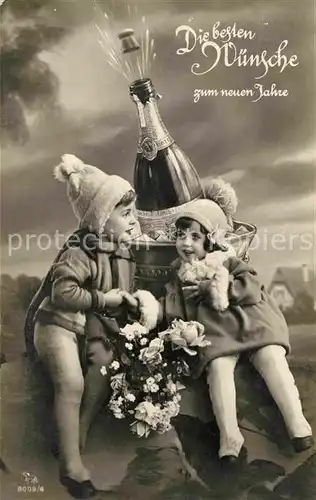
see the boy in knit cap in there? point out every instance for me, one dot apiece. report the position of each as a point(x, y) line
point(238, 315)
point(80, 306)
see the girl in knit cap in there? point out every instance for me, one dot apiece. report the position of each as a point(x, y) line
point(80, 306)
point(223, 293)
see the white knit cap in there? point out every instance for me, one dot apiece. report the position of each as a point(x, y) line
point(93, 194)
point(207, 213)
point(214, 212)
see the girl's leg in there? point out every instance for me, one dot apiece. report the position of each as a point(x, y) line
point(271, 363)
point(57, 348)
point(97, 388)
point(221, 382)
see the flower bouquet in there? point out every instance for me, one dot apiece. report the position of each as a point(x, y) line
point(148, 374)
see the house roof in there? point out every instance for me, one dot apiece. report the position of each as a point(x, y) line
point(292, 278)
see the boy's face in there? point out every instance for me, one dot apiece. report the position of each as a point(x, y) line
point(121, 223)
point(190, 243)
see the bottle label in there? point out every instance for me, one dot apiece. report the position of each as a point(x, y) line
point(149, 147)
point(160, 224)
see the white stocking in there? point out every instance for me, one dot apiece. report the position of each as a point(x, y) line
point(271, 363)
point(221, 382)
point(58, 350)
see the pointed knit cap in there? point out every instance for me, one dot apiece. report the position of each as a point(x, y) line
point(93, 194)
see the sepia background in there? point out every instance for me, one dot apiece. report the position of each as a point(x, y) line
point(59, 96)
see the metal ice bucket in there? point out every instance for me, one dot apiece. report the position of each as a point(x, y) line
point(153, 258)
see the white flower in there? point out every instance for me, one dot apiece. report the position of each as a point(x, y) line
point(129, 336)
point(154, 388)
point(115, 365)
point(172, 408)
point(117, 413)
point(158, 377)
point(119, 400)
point(143, 341)
point(140, 428)
point(151, 355)
point(146, 412)
point(129, 346)
point(174, 387)
point(150, 381)
point(136, 329)
point(114, 406)
point(130, 397)
point(145, 388)
point(103, 370)
point(185, 335)
point(171, 387)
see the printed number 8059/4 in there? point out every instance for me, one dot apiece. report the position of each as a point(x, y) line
point(30, 489)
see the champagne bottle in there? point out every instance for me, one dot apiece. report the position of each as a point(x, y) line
point(164, 178)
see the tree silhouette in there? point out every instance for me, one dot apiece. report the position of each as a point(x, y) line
point(28, 83)
point(16, 295)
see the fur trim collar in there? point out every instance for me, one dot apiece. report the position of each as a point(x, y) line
point(198, 270)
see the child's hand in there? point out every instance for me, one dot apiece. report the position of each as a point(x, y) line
point(191, 291)
point(131, 302)
point(114, 298)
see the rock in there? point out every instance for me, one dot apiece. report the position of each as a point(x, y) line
point(129, 468)
point(200, 443)
point(3, 467)
point(301, 484)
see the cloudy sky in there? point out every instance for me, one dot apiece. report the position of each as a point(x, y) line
point(63, 97)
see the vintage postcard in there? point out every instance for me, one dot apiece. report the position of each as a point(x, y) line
point(158, 302)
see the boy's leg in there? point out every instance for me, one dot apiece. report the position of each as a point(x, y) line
point(221, 382)
point(271, 363)
point(97, 388)
point(57, 348)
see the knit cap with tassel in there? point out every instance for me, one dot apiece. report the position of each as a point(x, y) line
point(93, 194)
point(214, 212)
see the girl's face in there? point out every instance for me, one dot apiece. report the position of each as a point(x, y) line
point(190, 243)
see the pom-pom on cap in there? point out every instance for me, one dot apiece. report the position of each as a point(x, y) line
point(223, 194)
point(93, 194)
point(70, 164)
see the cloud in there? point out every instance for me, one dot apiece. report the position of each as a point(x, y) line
point(262, 148)
point(234, 176)
point(27, 83)
point(306, 155)
point(293, 211)
point(233, 127)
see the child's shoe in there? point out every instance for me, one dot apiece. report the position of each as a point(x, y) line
point(302, 443)
point(82, 490)
point(228, 460)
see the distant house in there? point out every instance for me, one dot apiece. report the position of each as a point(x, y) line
point(288, 282)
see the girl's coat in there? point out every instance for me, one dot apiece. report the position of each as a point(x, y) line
point(251, 321)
